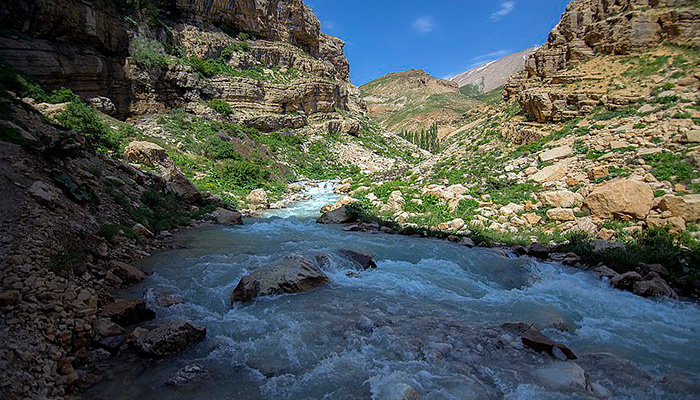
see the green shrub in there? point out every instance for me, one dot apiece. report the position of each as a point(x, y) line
point(83, 119)
point(69, 260)
point(220, 106)
point(149, 54)
point(24, 85)
point(669, 166)
point(219, 149)
point(109, 231)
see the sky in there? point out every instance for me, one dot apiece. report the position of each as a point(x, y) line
point(442, 37)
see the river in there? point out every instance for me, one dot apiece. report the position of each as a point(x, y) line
point(427, 317)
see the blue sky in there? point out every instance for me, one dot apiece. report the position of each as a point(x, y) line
point(443, 37)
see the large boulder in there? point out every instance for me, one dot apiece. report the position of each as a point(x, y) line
point(337, 216)
point(146, 153)
point(621, 199)
point(560, 198)
point(293, 274)
point(178, 183)
point(258, 197)
point(364, 260)
point(126, 272)
point(564, 376)
point(653, 286)
point(686, 207)
point(169, 338)
point(125, 312)
point(223, 216)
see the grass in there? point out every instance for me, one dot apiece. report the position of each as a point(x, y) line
point(220, 106)
point(671, 167)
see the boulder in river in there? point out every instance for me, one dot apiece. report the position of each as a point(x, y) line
point(625, 281)
point(169, 338)
point(293, 274)
point(365, 260)
point(564, 376)
point(191, 374)
point(126, 272)
point(223, 216)
point(536, 340)
point(653, 286)
point(125, 312)
point(337, 216)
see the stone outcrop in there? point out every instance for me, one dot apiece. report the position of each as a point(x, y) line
point(591, 28)
point(621, 199)
point(292, 274)
point(146, 153)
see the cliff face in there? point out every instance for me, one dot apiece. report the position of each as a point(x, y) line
point(598, 28)
point(88, 47)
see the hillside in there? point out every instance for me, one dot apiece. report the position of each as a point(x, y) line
point(491, 75)
point(414, 100)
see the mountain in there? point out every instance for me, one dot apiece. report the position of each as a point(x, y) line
point(492, 74)
point(414, 100)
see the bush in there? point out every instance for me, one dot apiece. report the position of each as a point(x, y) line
point(23, 85)
point(669, 166)
point(241, 174)
point(219, 149)
point(220, 106)
point(149, 54)
point(83, 119)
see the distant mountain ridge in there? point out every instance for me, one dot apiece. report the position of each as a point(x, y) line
point(493, 74)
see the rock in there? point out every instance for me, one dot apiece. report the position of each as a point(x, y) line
point(343, 188)
point(106, 328)
point(364, 260)
point(402, 218)
point(556, 153)
point(292, 274)
point(625, 281)
point(191, 374)
point(601, 246)
point(396, 201)
point(456, 224)
point(564, 376)
point(65, 368)
point(223, 216)
point(598, 172)
point(146, 153)
point(351, 127)
point(561, 214)
point(538, 250)
point(169, 338)
point(532, 218)
point(142, 230)
point(177, 183)
point(656, 268)
point(9, 298)
point(686, 207)
point(605, 271)
point(44, 193)
point(550, 174)
point(258, 197)
point(400, 391)
point(467, 242)
point(655, 287)
point(560, 198)
point(675, 224)
point(337, 216)
point(621, 199)
point(126, 312)
point(127, 273)
point(537, 341)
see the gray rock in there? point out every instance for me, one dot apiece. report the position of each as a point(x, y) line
point(656, 287)
point(125, 312)
point(564, 376)
point(227, 217)
point(189, 375)
point(337, 216)
point(364, 260)
point(169, 338)
point(538, 250)
point(9, 298)
point(127, 273)
point(293, 274)
point(605, 271)
point(625, 281)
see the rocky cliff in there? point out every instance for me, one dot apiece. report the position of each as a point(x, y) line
point(557, 88)
point(266, 58)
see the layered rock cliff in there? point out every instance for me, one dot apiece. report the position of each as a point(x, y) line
point(598, 28)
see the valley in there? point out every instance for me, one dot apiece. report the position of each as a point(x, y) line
point(198, 200)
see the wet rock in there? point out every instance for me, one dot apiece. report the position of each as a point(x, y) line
point(625, 281)
point(126, 312)
point(189, 375)
point(104, 327)
point(166, 300)
point(605, 271)
point(292, 274)
point(519, 250)
point(365, 260)
point(337, 216)
point(655, 287)
point(127, 273)
point(538, 250)
point(564, 376)
point(467, 242)
point(536, 340)
point(9, 298)
point(169, 338)
point(400, 391)
point(365, 324)
point(112, 343)
point(227, 217)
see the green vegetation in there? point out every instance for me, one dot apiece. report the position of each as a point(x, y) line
point(220, 106)
point(23, 85)
point(69, 260)
point(672, 167)
point(149, 54)
point(425, 139)
point(83, 119)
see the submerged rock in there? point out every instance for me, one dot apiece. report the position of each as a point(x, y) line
point(292, 274)
point(531, 337)
point(189, 375)
point(564, 375)
point(169, 338)
point(365, 260)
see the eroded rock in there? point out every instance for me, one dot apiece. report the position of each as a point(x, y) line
point(169, 338)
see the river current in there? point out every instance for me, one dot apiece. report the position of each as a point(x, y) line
point(428, 317)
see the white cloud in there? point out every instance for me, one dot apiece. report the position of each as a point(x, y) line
point(491, 56)
point(506, 8)
point(424, 24)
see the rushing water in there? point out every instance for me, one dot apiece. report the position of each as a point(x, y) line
point(428, 317)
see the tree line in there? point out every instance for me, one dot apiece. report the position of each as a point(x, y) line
point(426, 139)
